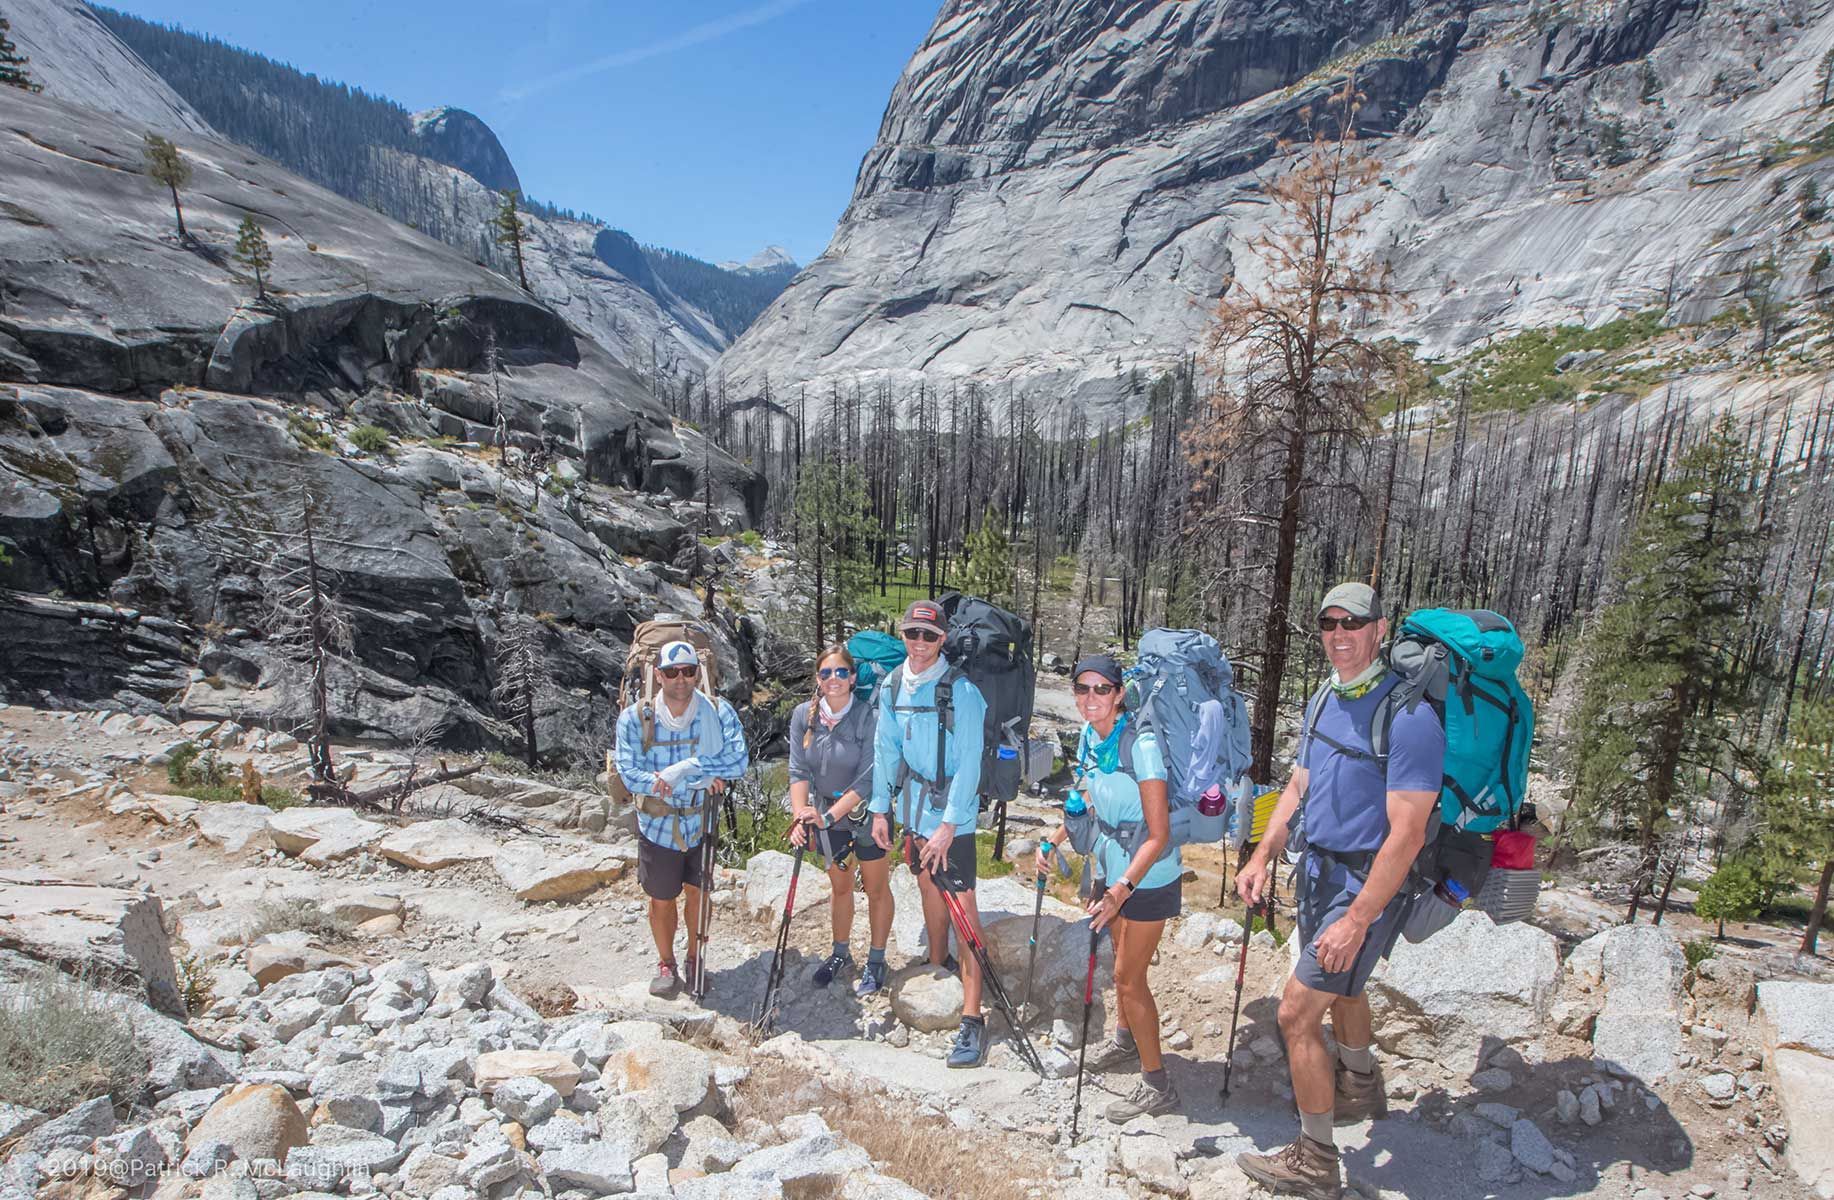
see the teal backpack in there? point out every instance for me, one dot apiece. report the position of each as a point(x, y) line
point(875, 655)
point(1463, 662)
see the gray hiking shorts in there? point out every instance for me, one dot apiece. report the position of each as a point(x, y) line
point(1325, 888)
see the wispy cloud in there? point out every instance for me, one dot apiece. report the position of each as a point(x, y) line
point(706, 31)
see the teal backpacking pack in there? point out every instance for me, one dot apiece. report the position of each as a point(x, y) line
point(1462, 662)
point(875, 655)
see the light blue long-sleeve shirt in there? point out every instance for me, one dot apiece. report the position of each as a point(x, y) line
point(910, 737)
point(714, 736)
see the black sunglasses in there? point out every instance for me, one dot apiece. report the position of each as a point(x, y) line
point(1100, 689)
point(835, 673)
point(1327, 624)
point(678, 672)
point(922, 635)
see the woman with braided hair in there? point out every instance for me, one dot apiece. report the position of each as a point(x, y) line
point(831, 764)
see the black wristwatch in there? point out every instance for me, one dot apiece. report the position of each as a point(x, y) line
point(1131, 888)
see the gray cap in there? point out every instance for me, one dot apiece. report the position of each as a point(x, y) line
point(1357, 599)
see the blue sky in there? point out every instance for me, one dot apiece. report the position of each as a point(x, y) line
point(715, 127)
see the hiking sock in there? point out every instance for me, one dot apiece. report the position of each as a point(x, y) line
point(840, 948)
point(1360, 1059)
point(1124, 1038)
point(1156, 1079)
point(875, 957)
point(1318, 1127)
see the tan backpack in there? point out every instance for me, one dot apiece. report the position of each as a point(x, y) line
point(640, 682)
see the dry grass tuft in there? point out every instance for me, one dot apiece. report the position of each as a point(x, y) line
point(60, 1044)
point(921, 1150)
point(281, 916)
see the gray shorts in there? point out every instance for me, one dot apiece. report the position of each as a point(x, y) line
point(1324, 889)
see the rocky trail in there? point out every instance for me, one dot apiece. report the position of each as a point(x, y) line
point(325, 951)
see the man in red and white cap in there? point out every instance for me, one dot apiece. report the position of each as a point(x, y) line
point(697, 739)
point(932, 770)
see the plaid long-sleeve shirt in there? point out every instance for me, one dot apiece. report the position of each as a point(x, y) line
point(714, 736)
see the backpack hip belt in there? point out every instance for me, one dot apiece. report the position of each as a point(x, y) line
point(657, 806)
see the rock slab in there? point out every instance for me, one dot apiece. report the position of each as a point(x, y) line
point(116, 934)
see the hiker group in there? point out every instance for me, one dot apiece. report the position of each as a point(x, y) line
point(1409, 772)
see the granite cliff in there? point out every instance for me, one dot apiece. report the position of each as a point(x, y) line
point(1061, 190)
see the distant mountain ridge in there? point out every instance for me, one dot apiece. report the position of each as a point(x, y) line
point(438, 171)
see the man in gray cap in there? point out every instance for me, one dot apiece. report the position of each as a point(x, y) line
point(1364, 822)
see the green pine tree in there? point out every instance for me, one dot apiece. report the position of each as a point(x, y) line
point(166, 165)
point(989, 573)
point(253, 252)
point(1735, 892)
point(1798, 810)
point(833, 536)
point(511, 231)
point(1660, 709)
point(12, 63)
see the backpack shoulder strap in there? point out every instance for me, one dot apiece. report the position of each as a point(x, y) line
point(1308, 728)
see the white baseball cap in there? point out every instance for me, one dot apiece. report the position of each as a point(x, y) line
point(678, 654)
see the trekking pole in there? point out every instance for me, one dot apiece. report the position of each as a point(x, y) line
point(1235, 1017)
point(999, 832)
point(1082, 1048)
point(761, 1020)
point(1031, 951)
point(990, 979)
point(703, 920)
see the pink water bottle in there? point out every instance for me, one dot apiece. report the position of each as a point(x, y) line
point(1212, 803)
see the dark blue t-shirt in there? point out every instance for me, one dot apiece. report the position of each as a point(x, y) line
point(1346, 804)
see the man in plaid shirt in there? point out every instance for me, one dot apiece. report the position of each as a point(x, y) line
point(691, 741)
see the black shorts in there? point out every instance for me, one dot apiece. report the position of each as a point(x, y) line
point(959, 868)
point(663, 870)
point(847, 840)
point(1160, 903)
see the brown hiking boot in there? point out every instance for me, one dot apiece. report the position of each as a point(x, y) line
point(1305, 1168)
point(1360, 1097)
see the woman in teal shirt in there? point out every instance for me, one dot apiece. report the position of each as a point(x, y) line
point(1121, 780)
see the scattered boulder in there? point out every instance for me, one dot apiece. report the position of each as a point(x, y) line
point(232, 826)
point(256, 1120)
point(680, 1073)
point(1639, 972)
point(361, 907)
point(558, 1071)
point(1797, 1015)
point(1471, 983)
point(1805, 1090)
point(1006, 906)
point(526, 1100)
point(1151, 1159)
point(1797, 1020)
point(533, 874)
point(116, 937)
point(767, 882)
point(435, 845)
point(927, 998)
point(600, 1168)
point(321, 836)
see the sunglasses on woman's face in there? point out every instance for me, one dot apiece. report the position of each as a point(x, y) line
point(836, 672)
point(1327, 624)
point(922, 635)
point(1100, 689)
point(679, 672)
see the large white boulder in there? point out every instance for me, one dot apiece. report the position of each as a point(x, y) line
point(1797, 1019)
point(232, 826)
point(767, 883)
point(432, 845)
point(1006, 906)
point(1805, 1090)
point(534, 872)
point(321, 836)
point(1471, 983)
point(116, 935)
point(1638, 974)
point(1797, 1015)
